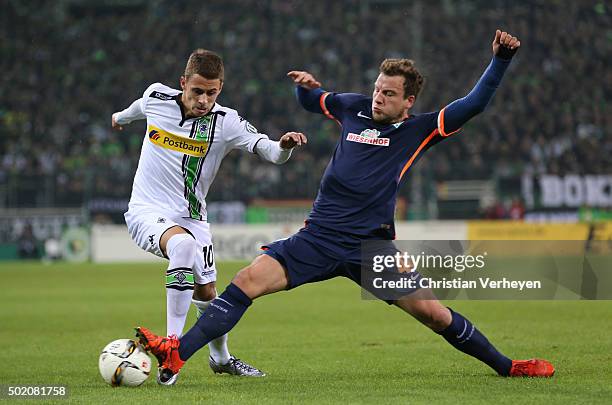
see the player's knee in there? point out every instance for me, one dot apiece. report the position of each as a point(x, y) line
point(263, 276)
point(181, 250)
point(251, 280)
point(244, 278)
point(204, 292)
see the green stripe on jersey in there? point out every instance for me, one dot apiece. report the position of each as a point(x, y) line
point(202, 131)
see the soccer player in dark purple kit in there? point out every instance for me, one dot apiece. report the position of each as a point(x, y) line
point(380, 141)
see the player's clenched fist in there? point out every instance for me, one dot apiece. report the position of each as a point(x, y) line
point(114, 123)
point(304, 79)
point(292, 139)
point(505, 45)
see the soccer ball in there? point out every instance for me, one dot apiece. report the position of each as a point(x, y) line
point(124, 362)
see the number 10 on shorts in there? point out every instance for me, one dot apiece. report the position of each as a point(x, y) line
point(209, 256)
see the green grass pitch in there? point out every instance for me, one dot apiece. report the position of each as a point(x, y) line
point(320, 343)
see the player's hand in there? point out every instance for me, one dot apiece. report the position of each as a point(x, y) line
point(505, 40)
point(292, 139)
point(114, 123)
point(304, 79)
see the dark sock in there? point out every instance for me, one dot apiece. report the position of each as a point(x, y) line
point(220, 317)
point(465, 337)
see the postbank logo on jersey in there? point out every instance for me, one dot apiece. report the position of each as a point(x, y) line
point(167, 140)
point(368, 136)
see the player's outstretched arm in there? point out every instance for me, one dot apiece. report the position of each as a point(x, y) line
point(132, 113)
point(243, 136)
point(279, 152)
point(460, 111)
point(308, 90)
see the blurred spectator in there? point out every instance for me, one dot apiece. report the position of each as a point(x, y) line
point(27, 245)
point(517, 209)
point(496, 211)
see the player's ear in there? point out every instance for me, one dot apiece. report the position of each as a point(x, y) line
point(183, 81)
point(409, 101)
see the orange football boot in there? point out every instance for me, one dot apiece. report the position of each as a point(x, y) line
point(531, 368)
point(164, 348)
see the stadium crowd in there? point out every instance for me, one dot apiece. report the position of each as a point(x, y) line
point(67, 66)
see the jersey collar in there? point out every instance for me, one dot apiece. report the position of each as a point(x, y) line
point(177, 98)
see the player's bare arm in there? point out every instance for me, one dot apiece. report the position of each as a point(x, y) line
point(304, 79)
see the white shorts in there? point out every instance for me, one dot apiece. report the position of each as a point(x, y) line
point(146, 226)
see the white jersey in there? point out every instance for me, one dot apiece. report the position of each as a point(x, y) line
point(181, 156)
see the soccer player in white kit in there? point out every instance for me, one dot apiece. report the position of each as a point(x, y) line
point(187, 136)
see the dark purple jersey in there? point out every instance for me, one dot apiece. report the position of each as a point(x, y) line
point(359, 188)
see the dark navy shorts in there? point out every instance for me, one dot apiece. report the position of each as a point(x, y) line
point(315, 254)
